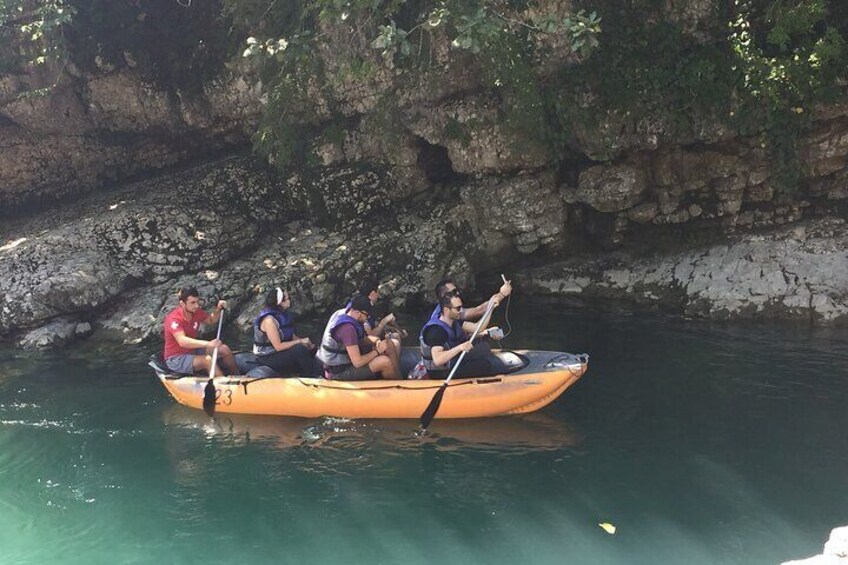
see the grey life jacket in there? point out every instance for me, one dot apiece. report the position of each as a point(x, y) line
point(332, 352)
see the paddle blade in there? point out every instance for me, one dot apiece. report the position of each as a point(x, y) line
point(433, 407)
point(209, 398)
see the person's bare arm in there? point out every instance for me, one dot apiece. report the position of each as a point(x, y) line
point(192, 343)
point(213, 317)
point(271, 329)
point(442, 356)
point(357, 358)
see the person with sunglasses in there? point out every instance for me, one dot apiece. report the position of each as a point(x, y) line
point(347, 352)
point(448, 287)
point(443, 339)
point(184, 352)
point(275, 342)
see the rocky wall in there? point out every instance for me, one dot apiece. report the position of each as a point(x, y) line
point(798, 272)
point(411, 173)
point(90, 130)
point(112, 262)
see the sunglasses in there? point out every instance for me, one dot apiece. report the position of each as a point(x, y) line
point(455, 292)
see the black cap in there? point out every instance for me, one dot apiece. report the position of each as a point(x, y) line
point(361, 303)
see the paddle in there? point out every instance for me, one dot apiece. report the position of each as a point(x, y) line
point(433, 407)
point(209, 390)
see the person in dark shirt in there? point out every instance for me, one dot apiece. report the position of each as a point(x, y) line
point(371, 290)
point(444, 339)
point(447, 286)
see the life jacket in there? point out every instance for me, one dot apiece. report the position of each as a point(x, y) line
point(285, 321)
point(456, 335)
point(332, 352)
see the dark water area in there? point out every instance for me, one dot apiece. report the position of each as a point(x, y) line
point(702, 443)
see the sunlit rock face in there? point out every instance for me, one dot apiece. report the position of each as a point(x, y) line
point(799, 272)
point(113, 262)
point(92, 129)
point(116, 260)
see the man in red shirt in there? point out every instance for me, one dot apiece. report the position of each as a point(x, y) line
point(184, 352)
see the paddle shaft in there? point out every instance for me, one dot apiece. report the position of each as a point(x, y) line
point(209, 389)
point(215, 351)
point(436, 402)
point(482, 321)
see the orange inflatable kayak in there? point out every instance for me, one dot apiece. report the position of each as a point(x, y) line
point(535, 379)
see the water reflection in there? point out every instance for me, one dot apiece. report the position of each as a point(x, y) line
point(520, 434)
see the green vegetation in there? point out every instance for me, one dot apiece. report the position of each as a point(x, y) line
point(606, 69)
point(32, 32)
point(170, 42)
point(758, 66)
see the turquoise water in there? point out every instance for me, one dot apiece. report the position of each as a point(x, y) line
point(702, 443)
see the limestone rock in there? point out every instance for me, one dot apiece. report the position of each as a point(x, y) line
point(80, 258)
point(522, 214)
point(63, 105)
point(799, 272)
point(610, 188)
point(86, 132)
point(476, 138)
point(54, 334)
point(122, 102)
point(825, 150)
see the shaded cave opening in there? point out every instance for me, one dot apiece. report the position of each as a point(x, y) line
point(435, 162)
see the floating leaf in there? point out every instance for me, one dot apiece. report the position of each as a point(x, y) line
point(607, 527)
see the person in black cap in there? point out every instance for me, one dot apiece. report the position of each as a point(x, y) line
point(347, 352)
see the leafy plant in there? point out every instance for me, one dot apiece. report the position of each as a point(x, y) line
point(33, 33)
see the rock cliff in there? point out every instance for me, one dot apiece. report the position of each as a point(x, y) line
point(407, 175)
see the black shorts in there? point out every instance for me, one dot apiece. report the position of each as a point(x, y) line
point(363, 373)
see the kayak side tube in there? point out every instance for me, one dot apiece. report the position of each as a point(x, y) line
point(543, 377)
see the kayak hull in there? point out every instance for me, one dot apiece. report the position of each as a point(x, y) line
point(538, 383)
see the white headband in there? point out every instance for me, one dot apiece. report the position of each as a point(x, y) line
point(279, 295)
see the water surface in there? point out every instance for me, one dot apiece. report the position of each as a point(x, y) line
point(702, 443)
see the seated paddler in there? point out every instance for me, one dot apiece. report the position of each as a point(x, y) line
point(347, 352)
point(386, 327)
point(371, 290)
point(443, 339)
point(275, 341)
point(447, 286)
point(187, 354)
